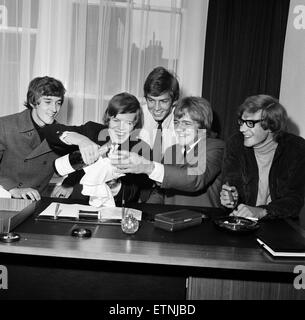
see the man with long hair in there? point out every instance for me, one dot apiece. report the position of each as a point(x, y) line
point(26, 161)
point(264, 166)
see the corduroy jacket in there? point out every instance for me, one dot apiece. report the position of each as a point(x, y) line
point(286, 176)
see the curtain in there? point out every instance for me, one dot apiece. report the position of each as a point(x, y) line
point(115, 44)
point(18, 27)
point(243, 55)
point(97, 48)
point(192, 46)
point(292, 93)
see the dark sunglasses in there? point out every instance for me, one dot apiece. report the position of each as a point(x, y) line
point(249, 123)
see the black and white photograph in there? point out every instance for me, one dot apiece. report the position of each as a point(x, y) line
point(152, 154)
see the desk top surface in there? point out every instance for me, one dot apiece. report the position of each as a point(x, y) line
point(199, 246)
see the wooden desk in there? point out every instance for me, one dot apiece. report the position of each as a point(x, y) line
point(198, 263)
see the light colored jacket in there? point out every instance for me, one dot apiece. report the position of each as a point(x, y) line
point(25, 161)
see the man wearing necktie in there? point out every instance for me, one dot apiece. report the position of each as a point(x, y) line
point(190, 171)
point(161, 91)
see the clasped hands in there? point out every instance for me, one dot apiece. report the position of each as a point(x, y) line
point(241, 210)
point(130, 162)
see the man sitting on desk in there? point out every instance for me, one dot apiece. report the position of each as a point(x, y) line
point(190, 172)
point(264, 166)
point(26, 161)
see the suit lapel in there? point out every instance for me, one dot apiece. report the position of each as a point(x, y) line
point(41, 149)
point(31, 136)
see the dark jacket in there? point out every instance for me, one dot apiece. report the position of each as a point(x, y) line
point(99, 134)
point(286, 176)
point(196, 182)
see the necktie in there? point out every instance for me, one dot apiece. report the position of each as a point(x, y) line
point(157, 148)
point(184, 152)
point(186, 149)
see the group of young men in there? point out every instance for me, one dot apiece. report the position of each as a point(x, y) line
point(258, 173)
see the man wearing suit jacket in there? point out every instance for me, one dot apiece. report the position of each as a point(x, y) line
point(190, 172)
point(26, 160)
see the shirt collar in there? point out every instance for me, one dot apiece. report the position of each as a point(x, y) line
point(192, 146)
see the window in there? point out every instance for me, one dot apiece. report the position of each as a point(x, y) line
point(18, 29)
point(97, 48)
point(124, 41)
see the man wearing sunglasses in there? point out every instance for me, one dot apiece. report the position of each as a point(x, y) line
point(264, 166)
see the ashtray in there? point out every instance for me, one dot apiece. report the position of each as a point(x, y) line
point(236, 224)
point(9, 237)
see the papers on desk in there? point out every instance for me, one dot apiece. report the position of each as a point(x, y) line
point(72, 212)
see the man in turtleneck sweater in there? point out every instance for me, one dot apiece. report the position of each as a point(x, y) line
point(264, 166)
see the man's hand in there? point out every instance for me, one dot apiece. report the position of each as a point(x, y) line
point(115, 186)
point(25, 193)
point(249, 212)
point(61, 192)
point(88, 149)
point(130, 162)
point(225, 198)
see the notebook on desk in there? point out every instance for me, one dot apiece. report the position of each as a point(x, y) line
point(84, 214)
point(284, 241)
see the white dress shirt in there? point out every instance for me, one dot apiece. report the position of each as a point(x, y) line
point(149, 130)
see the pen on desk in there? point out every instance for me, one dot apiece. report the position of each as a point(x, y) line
point(56, 210)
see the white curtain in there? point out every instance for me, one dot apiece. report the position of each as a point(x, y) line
point(18, 26)
point(98, 48)
point(192, 47)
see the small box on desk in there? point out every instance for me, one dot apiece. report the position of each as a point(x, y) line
point(178, 219)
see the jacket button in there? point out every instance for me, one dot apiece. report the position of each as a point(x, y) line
point(45, 162)
point(20, 184)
